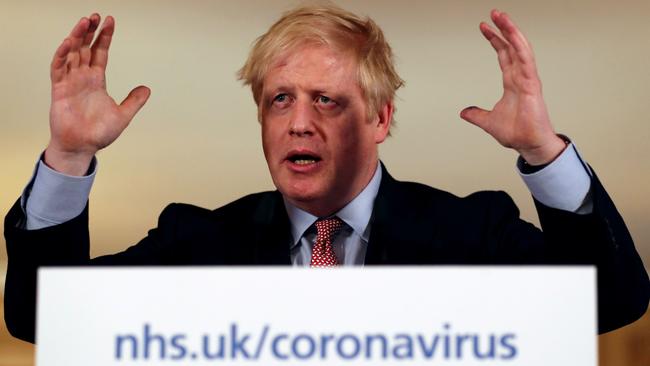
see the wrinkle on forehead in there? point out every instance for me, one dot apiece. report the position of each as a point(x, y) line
point(282, 58)
point(311, 63)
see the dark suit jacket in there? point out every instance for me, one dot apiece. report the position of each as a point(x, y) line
point(411, 224)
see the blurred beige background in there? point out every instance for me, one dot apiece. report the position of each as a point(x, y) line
point(197, 139)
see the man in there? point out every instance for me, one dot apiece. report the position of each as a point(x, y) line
point(324, 83)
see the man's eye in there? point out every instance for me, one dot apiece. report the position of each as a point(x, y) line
point(324, 100)
point(280, 98)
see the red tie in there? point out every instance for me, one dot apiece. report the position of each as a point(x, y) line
point(322, 254)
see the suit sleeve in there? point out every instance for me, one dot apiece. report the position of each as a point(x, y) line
point(599, 238)
point(602, 239)
point(66, 244)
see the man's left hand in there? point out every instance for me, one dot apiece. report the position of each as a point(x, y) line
point(520, 119)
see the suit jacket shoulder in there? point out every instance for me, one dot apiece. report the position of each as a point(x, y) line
point(416, 224)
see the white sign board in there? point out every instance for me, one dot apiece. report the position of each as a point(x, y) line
point(288, 316)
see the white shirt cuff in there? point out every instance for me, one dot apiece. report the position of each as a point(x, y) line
point(564, 184)
point(52, 198)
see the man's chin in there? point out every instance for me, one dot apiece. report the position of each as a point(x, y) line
point(300, 188)
point(301, 197)
point(312, 201)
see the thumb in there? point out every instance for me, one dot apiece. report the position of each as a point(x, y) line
point(476, 116)
point(134, 101)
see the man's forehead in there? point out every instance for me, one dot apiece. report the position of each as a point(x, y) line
point(315, 64)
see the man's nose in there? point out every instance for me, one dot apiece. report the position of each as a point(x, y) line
point(302, 119)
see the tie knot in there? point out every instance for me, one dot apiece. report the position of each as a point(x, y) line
point(326, 228)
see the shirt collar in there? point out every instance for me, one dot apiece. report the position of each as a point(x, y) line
point(355, 214)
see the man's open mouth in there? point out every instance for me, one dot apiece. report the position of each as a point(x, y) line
point(304, 159)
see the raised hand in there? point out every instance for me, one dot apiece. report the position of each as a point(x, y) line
point(519, 120)
point(83, 117)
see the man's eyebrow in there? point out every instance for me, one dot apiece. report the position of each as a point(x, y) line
point(273, 88)
point(330, 88)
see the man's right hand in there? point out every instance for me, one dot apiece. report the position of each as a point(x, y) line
point(83, 117)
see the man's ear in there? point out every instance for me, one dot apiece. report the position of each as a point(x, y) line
point(383, 121)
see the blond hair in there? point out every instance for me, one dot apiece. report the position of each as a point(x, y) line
point(327, 24)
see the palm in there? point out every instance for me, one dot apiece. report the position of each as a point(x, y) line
point(519, 120)
point(518, 117)
point(83, 117)
point(83, 114)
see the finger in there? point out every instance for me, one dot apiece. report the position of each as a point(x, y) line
point(476, 116)
point(513, 35)
point(85, 54)
point(57, 67)
point(92, 27)
point(134, 101)
point(76, 38)
point(100, 48)
point(500, 46)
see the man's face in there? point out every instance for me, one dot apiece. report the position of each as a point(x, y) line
point(320, 145)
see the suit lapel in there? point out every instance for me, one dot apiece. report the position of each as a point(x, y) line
point(382, 235)
point(403, 226)
point(273, 232)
